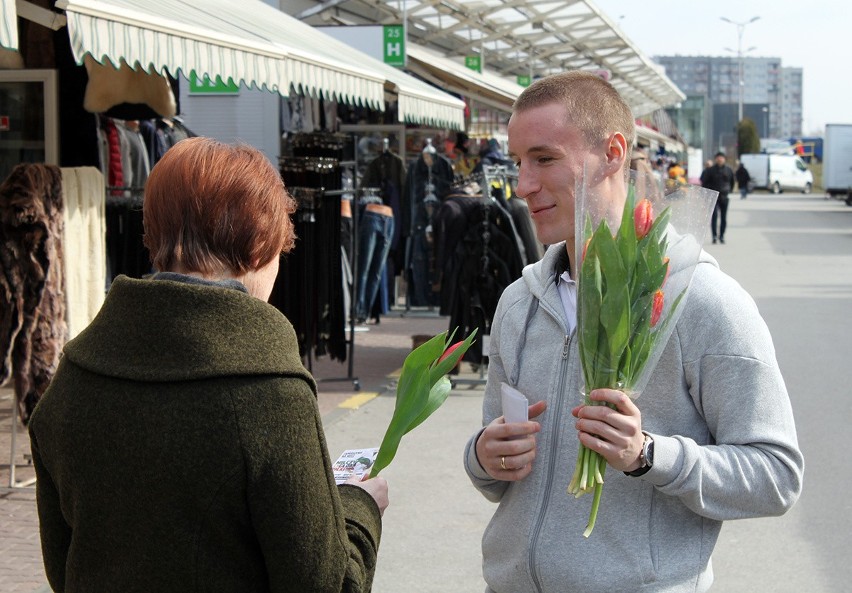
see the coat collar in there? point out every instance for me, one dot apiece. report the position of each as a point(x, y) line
point(161, 330)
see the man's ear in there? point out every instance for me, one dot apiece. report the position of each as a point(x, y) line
point(616, 152)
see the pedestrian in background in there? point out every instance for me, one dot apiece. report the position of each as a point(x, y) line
point(743, 179)
point(179, 445)
point(720, 178)
point(714, 440)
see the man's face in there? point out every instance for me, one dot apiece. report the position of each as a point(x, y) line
point(720, 160)
point(549, 153)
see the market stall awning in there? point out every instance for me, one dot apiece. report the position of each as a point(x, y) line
point(236, 40)
point(417, 101)
point(452, 74)
point(648, 136)
point(247, 41)
point(8, 24)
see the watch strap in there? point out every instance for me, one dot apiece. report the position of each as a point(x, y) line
point(646, 457)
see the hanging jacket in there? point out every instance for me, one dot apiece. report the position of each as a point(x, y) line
point(33, 328)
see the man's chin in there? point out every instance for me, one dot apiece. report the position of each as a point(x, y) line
point(550, 236)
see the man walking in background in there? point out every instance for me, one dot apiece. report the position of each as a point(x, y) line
point(720, 178)
point(743, 179)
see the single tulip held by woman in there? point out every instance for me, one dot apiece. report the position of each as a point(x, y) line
point(423, 386)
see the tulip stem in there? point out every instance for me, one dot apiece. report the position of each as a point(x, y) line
point(593, 514)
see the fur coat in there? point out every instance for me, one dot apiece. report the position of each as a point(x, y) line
point(33, 329)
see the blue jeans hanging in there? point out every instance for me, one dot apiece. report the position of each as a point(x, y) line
point(375, 231)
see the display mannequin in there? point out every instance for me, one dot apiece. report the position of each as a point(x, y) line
point(377, 229)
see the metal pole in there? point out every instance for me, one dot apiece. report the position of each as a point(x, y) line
point(740, 28)
point(740, 57)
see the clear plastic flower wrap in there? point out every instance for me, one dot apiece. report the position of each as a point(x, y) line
point(638, 246)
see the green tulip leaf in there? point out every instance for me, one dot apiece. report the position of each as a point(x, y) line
point(437, 396)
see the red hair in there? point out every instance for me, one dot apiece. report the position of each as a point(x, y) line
point(211, 207)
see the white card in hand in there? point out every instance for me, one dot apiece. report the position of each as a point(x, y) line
point(515, 404)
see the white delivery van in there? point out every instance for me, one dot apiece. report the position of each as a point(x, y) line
point(778, 172)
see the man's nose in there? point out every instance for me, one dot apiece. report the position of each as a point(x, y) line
point(527, 183)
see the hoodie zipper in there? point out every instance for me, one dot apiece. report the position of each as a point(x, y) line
point(551, 467)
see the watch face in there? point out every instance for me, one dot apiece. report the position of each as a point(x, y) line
point(649, 452)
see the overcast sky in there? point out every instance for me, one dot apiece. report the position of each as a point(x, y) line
point(815, 35)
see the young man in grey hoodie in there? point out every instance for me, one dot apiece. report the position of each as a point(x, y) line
point(713, 437)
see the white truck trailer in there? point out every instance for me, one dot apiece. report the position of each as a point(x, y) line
point(837, 161)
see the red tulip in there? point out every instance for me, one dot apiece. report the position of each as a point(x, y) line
point(657, 307)
point(450, 350)
point(643, 218)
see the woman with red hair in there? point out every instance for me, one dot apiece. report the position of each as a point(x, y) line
point(179, 445)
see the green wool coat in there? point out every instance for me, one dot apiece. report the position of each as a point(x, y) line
point(180, 448)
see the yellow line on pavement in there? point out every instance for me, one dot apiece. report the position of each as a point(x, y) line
point(356, 401)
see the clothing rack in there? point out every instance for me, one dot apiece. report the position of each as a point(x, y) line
point(14, 484)
point(479, 186)
point(315, 177)
point(125, 195)
point(310, 201)
point(486, 234)
point(350, 358)
point(500, 173)
point(126, 251)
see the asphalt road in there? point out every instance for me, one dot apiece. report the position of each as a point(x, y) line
point(793, 253)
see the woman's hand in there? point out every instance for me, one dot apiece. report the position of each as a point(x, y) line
point(376, 487)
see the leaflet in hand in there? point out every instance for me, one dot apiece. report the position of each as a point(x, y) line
point(353, 462)
point(515, 404)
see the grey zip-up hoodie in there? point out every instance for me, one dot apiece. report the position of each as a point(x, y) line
point(725, 445)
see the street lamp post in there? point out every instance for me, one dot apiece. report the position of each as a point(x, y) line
point(766, 121)
point(740, 27)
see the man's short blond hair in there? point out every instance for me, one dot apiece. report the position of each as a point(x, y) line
point(594, 106)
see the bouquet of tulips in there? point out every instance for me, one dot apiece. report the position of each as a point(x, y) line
point(422, 387)
point(639, 249)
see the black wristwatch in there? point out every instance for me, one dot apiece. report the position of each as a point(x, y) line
point(646, 457)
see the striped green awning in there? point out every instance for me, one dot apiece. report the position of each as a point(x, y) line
point(237, 40)
point(246, 41)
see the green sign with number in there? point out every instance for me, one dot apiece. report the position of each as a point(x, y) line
point(206, 85)
point(394, 45)
point(524, 81)
point(474, 63)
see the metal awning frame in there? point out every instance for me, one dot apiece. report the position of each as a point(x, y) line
point(519, 38)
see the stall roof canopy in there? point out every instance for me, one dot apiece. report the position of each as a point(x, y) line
point(455, 76)
point(519, 37)
point(247, 41)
